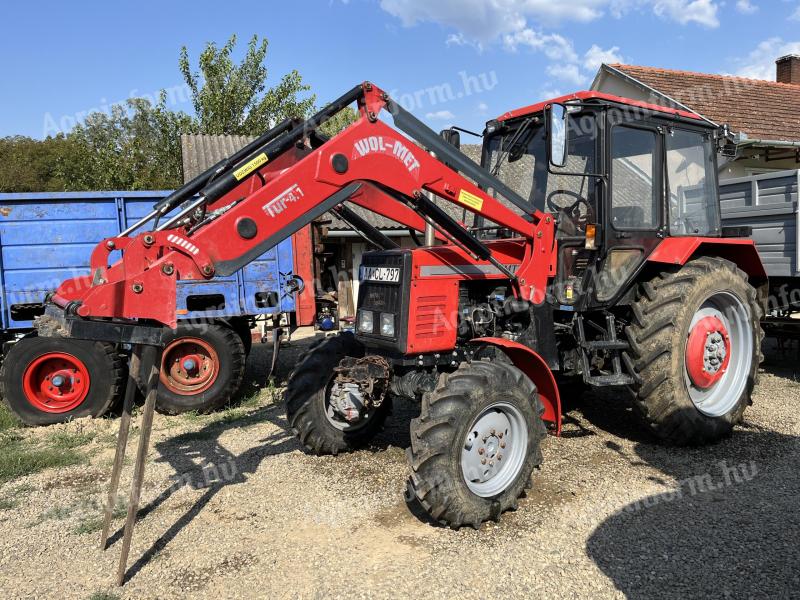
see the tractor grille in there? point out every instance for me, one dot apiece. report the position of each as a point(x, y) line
point(387, 297)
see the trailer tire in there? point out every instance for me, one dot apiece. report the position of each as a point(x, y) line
point(306, 400)
point(695, 340)
point(92, 373)
point(445, 479)
point(218, 357)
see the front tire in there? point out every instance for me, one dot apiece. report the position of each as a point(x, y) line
point(307, 406)
point(46, 380)
point(481, 415)
point(202, 367)
point(696, 347)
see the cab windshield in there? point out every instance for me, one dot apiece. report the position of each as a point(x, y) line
point(517, 155)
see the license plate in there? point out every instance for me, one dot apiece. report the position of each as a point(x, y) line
point(380, 274)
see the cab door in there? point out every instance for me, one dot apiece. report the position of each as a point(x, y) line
point(634, 215)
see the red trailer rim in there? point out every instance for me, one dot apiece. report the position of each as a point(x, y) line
point(56, 382)
point(190, 366)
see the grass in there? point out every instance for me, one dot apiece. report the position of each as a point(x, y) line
point(66, 440)
point(94, 524)
point(104, 596)
point(13, 497)
point(7, 419)
point(20, 457)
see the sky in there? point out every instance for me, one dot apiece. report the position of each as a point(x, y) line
point(449, 61)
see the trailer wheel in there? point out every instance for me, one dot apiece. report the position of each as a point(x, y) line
point(696, 347)
point(307, 403)
point(475, 443)
point(47, 380)
point(202, 367)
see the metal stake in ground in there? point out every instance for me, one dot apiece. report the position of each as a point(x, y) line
point(150, 356)
point(122, 442)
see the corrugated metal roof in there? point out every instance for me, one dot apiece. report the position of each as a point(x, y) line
point(199, 152)
point(203, 151)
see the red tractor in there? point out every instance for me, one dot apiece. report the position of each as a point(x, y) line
point(593, 251)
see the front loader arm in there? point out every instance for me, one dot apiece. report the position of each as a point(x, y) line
point(368, 154)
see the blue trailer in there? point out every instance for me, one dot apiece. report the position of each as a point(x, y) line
point(46, 238)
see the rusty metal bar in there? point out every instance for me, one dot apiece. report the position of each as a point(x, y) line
point(150, 356)
point(122, 442)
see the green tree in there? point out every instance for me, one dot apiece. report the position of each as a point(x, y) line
point(234, 99)
point(28, 165)
point(136, 147)
point(342, 119)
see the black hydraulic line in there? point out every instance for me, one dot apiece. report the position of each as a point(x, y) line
point(191, 188)
point(448, 154)
point(228, 180)
point(365, 229)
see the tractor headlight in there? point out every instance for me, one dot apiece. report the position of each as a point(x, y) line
point(387, 324)
point(365, 321)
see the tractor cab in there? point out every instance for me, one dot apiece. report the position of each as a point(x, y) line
point(619, 176)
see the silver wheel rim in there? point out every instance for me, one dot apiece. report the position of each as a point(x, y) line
point(336, 421)
point(723, 395)
point(494, 449)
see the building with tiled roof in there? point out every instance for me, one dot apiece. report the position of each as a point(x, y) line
point(764, 113)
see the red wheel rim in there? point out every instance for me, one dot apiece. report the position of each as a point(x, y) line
point(190, 366)
point(708, 352)
point(56, 382)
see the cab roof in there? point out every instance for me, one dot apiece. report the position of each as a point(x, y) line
point(601, 98)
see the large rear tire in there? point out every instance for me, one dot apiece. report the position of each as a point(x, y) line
point(202, 368)
point(696, 347)
point(475, 443)
point(307, 405)
point(46, 380)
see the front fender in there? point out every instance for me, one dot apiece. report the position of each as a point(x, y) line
point(741, 252)
point(535, 367)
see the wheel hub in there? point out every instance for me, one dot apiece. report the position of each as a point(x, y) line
point(190, 366)
point(708, 352)
point(494, 450)
point(56, 382)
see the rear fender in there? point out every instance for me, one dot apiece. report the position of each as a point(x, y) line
point(742, 252)
point(535, 367)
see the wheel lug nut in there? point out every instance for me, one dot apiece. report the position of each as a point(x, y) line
point(483, 461)
point(502, 444)
point(491, 463)
point(481, 450)
point(500, 435)
point(499, 457)
point(491, 432)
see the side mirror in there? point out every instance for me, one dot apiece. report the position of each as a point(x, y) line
point(452, 137)
point(557, 135)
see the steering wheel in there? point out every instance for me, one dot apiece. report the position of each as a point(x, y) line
point(570, 210)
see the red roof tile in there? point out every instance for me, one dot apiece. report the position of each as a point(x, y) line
point(762, 109)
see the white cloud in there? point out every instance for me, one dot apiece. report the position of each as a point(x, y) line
point(554, 46)
point(569, 73)
point(760, 62)
point(483, 107)
point(703, 12)
point(746, 7)
point(440, 115)
point(795, 16)
point(486, 20)
point(596, 56)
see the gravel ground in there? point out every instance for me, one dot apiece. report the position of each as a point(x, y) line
point(611, 514)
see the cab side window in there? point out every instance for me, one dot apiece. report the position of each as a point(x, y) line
point(634, 193)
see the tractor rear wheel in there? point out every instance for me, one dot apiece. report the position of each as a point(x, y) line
point(202, 367)
point(696, 346)
point(46, 380)
point(308, 407)
point(475, 443)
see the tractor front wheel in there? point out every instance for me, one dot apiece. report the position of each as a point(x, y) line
point(475, 443)
point(696, 347)
point(46, 380)
point(309, 407)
